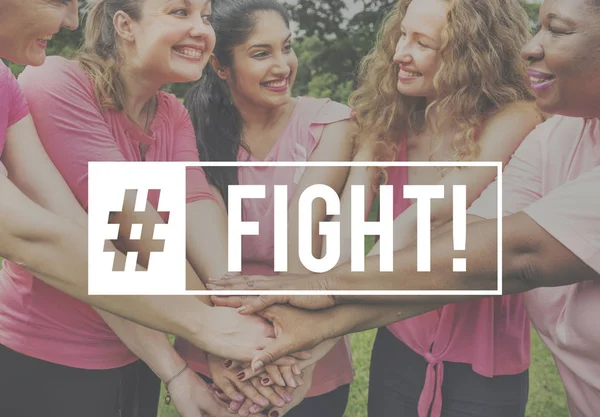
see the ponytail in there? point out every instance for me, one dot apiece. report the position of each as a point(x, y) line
point(99, 55)
point(218, 126)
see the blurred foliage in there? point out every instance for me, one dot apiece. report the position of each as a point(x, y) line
point(329, 44)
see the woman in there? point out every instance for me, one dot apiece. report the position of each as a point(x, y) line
point(450, 94)
point(551, 227)
point(106, 106)
point(243, 110)
point(39, 237)
point(463, 96)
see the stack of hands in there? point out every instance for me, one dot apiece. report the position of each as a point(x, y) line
point(276, 380)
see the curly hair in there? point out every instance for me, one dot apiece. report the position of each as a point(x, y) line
point(481, 71)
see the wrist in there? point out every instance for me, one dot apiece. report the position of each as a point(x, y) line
point(198, 329)
point(171, 379)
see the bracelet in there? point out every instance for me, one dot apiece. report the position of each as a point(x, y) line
point(167, 393)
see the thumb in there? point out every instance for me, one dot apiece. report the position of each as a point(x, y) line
point(276, 350)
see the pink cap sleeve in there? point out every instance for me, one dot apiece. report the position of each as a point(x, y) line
point(327, 112)
point(17, 105)
point(521, 180)
point(185, 150)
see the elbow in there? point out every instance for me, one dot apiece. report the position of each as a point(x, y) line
point(521, 272)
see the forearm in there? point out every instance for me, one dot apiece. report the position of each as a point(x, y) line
point(353, 318)
point(531, 257)
point(482, 272)
point(206, 241)
point(151, 346)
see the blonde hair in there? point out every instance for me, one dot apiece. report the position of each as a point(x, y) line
point(481, 71)
point(100, 55)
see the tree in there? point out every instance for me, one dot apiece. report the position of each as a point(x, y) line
point(329, 45)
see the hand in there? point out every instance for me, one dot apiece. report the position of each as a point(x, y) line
point(295, 330)
point(236, 336)
point(193, 398)
point(284, 282)
point(298, 396)
point(229, 378)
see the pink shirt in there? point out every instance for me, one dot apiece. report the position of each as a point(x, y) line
point(491, 334)
point(297, 142)
point(13, 106)
point(554, 177)
point(36, 319)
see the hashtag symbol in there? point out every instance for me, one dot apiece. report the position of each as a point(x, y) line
point(134, 208)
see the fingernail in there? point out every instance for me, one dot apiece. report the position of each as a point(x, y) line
point(265, 381)
point(228, 363)
point(254, 409)
point(239, 397)
point(287, 397)
point(241, 375)
point(296, 370)
point(241, 309)
point(257, 365)
point(274, 413)
point(234, 405)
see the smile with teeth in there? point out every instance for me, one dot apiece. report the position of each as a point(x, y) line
point(404, 73)
point(536, 80)
point(189, 52)
point(276, 83)
point(45, 38)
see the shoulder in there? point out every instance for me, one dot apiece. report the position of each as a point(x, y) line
point(58, 76)
point(5, 73)
point(173, 111)
point(8, 82)
point(518, 115)
point(322, 110)
point(563, 129)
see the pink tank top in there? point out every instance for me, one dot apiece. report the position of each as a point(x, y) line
point(297, 142)
point(491, 334)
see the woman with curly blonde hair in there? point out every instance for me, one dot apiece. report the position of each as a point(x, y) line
point(445, 81)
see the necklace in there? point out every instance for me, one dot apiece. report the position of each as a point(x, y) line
point(150, 105)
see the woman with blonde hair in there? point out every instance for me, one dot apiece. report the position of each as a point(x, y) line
point(456, 90)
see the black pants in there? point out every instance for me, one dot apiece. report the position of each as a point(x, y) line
point(331, 404)
point(31, 387)
point(398, 375)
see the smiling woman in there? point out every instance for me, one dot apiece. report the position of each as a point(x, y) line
point(27, 26)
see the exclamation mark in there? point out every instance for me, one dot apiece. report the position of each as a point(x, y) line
point(459, 221)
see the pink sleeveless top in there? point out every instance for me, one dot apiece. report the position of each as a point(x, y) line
point(297, 142)
point(491, 334)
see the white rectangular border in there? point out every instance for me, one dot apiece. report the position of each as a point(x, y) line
point(496, 164)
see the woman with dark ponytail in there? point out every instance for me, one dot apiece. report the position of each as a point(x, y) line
point(243, 110)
